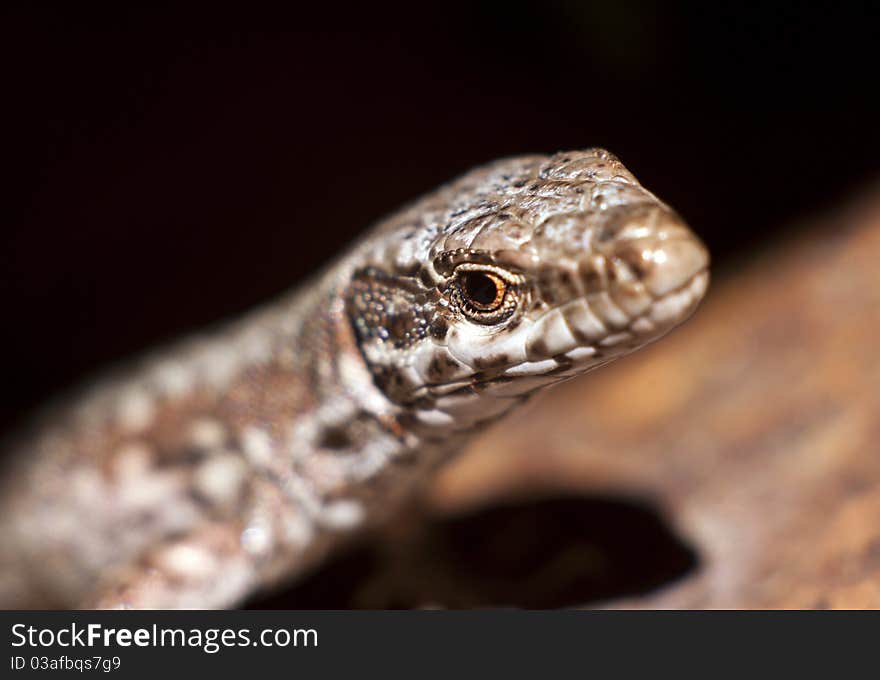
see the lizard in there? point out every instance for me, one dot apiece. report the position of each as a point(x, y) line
point(233, 461)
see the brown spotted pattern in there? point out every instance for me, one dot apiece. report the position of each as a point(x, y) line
point(235, 460)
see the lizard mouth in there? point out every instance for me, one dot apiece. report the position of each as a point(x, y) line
point(523, 377)
point(658, 318)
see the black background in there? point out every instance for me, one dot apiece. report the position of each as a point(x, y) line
point(168, 167)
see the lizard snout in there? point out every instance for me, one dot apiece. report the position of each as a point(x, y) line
point(663, 255)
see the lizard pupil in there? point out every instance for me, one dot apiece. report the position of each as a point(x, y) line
point(481, 289)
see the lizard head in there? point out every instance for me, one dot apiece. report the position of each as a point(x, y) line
point(516, 276)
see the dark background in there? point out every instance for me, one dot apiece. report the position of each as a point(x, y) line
point(168, 167)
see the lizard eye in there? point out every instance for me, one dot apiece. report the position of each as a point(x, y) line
point(484, 295)
point(483, 290)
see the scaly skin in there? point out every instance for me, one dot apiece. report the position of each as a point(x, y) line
point(233, 461)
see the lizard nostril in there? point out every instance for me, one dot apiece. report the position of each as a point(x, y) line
point(658, 249)
point(606, 233)
point(637, 257)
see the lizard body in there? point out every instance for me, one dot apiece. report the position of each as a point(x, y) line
point(235, 460)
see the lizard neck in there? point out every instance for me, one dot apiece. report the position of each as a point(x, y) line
point(311, 417)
